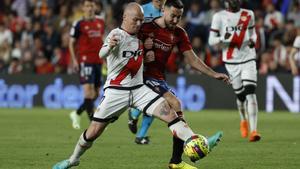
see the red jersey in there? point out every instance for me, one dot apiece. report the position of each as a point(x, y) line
point(89, 35)
point(164, 40)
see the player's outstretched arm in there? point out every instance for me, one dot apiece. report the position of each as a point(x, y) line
point(72, 43)
point(199, 65)
point(252, 32)
point(108, 46)
point(214, 38)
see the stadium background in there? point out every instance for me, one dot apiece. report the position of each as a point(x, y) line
point(34, 37)
point(38, 90)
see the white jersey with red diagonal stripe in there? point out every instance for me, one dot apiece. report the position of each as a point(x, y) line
point(125, 61)
point(238, 25)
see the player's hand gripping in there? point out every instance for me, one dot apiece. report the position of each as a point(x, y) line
point(150, 55)
point(223, 77)
point(226, 38)
point(114, 40)
point(148, 44)
point(75, 65)
point(251, 44)
point(227, 35)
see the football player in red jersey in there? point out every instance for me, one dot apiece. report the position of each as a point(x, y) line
point(124, 87)
point(152, 10)
point(85, 43)
point(164, 33)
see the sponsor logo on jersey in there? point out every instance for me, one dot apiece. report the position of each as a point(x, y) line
point(94, 33)
point(130, 54)
point(234, 28)
point(161, 45)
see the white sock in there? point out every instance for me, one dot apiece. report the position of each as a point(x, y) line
point(252, 111)
point(241, 107)
point(181, 130)
point(80, 148)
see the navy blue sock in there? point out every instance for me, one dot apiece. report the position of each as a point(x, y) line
point(177, 150)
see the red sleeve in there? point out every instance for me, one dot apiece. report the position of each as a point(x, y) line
point(142, 35)
point(184, 43)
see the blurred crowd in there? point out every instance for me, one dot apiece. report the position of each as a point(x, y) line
point(34, 34)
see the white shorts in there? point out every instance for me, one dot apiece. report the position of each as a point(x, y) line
point(115, 101)
point(242, 74)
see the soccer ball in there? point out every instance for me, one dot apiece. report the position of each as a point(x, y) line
point(196, 147)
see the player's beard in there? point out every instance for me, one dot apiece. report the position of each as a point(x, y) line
point(169, 25)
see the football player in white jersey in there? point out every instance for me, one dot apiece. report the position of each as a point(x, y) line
point(233, 29)
point(124, 87)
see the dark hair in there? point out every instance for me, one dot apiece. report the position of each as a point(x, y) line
point(82, 1)
point(175, 3)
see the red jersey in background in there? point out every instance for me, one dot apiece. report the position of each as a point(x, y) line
point(89, 34)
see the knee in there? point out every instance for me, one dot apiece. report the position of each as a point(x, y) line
point(175, 103)
point(168, 110)
point(249, 89)
point(89, 94)
point(94, 131)
point(241, 97)
point(96, 95)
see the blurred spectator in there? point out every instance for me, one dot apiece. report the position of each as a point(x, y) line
point(5, 6)
point(40, 26)
point(62, 19)
point(294, 57)
point(37, 17)
point(50, 18)
point(16, 51)
point(2, 67)
point(294, 13)
point(15, 66)
point(261, 37)
point(99, 10)
point(61, 56)
point(6, 39)
point(50, 40)
point(289, 33)
point(27, 35)
point(5, 50)
point(27, 62)
point(38, 31)
point(265, 63)
point(274, 19)
point(43, 5)
point(5, 34)
point(195, 20)
point(198, 47)
point(279, 57)
point(21, 7)
point(215, 7)
point(77, 12)
point(42, 65)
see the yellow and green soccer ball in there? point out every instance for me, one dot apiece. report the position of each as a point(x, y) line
point(196, 147)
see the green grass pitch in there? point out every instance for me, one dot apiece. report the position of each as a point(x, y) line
point(38, 138)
